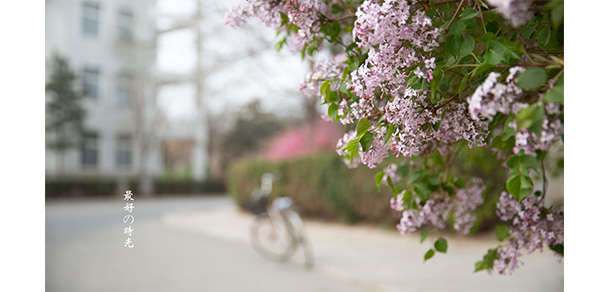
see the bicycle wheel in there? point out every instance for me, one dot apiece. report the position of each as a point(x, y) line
point(271, 243)
point(299, 233)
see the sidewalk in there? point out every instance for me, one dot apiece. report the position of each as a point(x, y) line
point(381, 260)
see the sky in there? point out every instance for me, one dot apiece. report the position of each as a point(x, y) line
point(272, 77)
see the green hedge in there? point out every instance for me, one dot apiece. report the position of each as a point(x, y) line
point(320, 185)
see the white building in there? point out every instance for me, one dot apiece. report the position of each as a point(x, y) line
point(111, 45)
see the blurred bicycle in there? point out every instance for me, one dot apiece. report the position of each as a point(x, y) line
point(277, 231)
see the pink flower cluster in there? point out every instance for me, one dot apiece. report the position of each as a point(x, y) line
point(413, 111)
point(552, 129)
point(307, 15)
point(517, 12)
point(533, 227)
point(397, 37)
point(493, 97)
point(374, 155)
point(323, 69)
point(437, 208)
point(351, 135)
point(378, 150)
point(391, 172)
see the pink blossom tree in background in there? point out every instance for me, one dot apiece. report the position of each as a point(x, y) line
point(301, 141)
point(419, 80)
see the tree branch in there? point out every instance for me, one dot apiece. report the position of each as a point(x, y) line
point(454, 15)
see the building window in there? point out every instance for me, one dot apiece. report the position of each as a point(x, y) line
point(123, 88)
point(123, 151)
point(91, 18)
point(90, 150)
point(90, 82)
point(124, 25)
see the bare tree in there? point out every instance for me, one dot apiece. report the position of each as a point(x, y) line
point(142, 86)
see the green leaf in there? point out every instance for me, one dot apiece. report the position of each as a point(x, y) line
point(527, 31)
point(513, 186)
point(378, 179)
point(415, 176)
point(557, 14)
point(403, 170)
point(531, 118)
point(352, 149)
point(527, 186)
point(343, 88)
point(428, 255)
point(497, 142)
point(488, 261)
point(502, 232)
point(467, 46)
point(332, 111)
point(354, 65)
point(278, 45)
point(458, 27)
point(555, 94)
point(424, 234)
point(481, 68)
point(324, 86)
point(513, 162)
point(492, 26)
point(336, 9)
point(459, 183)
point(557, 248)
point(363, 126)
point(469, 13)
point(438, 160)
point(463, 83)
point(331, 96)
point(544, 37)
point(532, 78)
point(445, 84)
point(479, 266)
point(332, 29)
point(486, 38)
point(528, 161)
point(389, 133)
point(508, 131)
point(511, 49)
point(450, 190)
point(441, 245)
point(366, 140)
point(436, 80)
point(345, 73)
point(392, 185)
point(422, 191)
point(495, 53)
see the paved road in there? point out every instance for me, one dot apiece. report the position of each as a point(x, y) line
point(84, 252)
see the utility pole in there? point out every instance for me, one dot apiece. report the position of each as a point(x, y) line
point(201, 152)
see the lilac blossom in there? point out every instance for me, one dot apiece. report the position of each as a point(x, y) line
point(493, 97)
point(340, 149)
point(323, 69)
point(517, 12)
point(532, 227)
point(397, 37)
point(439, 206)
point(397, 203)
point(412, 112)
point(390, 171)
